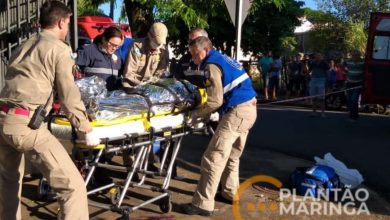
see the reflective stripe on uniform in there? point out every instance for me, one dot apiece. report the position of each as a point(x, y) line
point(194, 73)
point(100, 70)
point(235, 83)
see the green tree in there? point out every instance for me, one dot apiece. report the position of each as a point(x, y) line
point(268, 21)
point(329, 30)
point(89, 7)
point(357, 37)
point(352, 17)
point(353, 10)
point(268, 26)
point(336, 35)
point(288, 45)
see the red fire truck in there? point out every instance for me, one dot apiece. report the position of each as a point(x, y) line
point(91, 26)
point(377, 74)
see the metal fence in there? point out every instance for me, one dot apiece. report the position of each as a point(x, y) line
point(18, 22)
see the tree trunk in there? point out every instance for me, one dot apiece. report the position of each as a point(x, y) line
point(140, 18)
point(112, 7)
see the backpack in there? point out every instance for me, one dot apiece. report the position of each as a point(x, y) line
point(314, 179)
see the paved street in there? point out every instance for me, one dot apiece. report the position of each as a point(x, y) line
point(363, 145)
point(283, 138)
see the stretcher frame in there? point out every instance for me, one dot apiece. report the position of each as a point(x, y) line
point(141, 144)
point(140, 166)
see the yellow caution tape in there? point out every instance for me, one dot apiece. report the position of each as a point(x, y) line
point(132, 118)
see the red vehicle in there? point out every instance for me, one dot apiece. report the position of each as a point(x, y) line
point(91, 26)
point(377, 73)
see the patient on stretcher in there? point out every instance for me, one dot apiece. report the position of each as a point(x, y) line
point(164, 96)
point(159, 104)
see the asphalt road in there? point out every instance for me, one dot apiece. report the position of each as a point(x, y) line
point(282, 138)
point(363, 145)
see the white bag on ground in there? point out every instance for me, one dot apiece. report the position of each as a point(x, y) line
point(351, 178)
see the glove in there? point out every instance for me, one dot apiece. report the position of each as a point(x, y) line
point(91, 139)
point(77, 74)
point(214, 117)
point(192, 119)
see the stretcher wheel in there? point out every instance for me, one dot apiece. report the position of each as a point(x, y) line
point(115, 194)
point(125, 215)
point(43, 188)
point(166, 204)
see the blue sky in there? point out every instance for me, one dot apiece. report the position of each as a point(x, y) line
point(311, 4)
point(105, 7)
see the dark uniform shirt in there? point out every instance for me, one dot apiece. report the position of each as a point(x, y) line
point(188, 70)
point(93, 61)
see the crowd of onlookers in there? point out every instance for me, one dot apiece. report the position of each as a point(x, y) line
point(291, 76)
point(310, 75)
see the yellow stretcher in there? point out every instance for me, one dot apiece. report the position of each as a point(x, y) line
point(137, 133)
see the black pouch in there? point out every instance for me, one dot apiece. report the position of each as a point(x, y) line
point(38, 117)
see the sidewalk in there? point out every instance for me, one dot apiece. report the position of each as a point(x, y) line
point(304, 102)
point(257, 202)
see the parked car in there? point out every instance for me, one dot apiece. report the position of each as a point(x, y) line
point(91, 26)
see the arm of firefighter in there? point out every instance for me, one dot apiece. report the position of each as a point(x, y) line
point(131, 67)
point(214, 92)
point(69, 94)
point(163, 64)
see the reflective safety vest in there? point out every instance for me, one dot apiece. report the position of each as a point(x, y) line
point(237, 86)
point(124, 49)
point(94, 62)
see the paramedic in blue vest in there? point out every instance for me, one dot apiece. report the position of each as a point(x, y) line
point(102, 59)
point(354, 69)
point(230, 92)
point(124, 49)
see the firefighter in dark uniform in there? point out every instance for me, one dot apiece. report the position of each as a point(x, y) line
point(101, 58)
point(187, 69)
point(38, 71)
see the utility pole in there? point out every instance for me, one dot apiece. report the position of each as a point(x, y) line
point(112, 8)
point(74, 31)
point(238, 27)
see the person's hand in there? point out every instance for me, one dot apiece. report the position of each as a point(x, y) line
point(77, 73)
point(91, 139)
point(129, 90)
point(192, 119)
